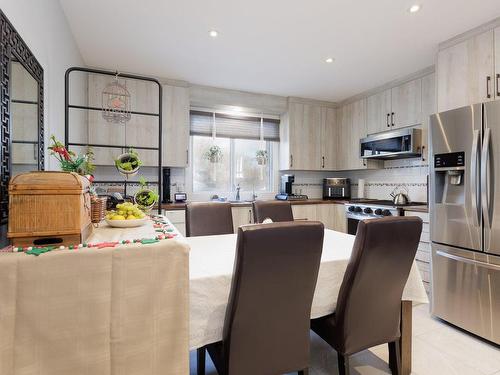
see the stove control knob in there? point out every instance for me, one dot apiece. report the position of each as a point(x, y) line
point(378, 211)
point(386, 213)
point(367, 210)
point(358, 209)
point(351, 208)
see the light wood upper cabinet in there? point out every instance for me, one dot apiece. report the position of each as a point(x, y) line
point(465, 72)
point(300, 137)
point(175, 131)
point(395, 108)
point(406, 103)
point(328, 141)
point(497, 62)
point(428, 108)
point(378, 112)
point(358, 131)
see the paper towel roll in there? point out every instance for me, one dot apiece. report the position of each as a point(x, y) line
point(361, 188)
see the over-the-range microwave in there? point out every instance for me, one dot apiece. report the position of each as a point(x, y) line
point(397, 144)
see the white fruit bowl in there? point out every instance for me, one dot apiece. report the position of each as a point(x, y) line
point(126, 223)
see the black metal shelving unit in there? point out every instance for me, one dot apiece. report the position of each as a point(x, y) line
point(67, 125)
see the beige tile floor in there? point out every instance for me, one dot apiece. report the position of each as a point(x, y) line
point(438, 349)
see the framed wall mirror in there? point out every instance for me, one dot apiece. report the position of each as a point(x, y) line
point(21, 104)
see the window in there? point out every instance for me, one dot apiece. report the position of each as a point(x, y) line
point(232, 150)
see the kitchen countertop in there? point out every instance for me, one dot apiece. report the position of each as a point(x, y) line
point(422, 208)
point(182, 206)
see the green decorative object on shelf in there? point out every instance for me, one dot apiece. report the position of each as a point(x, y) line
point(145, 197)
point(128, 163)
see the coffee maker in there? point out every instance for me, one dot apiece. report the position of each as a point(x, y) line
point(286, 189)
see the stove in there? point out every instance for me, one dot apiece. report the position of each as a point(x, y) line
point(363, 209)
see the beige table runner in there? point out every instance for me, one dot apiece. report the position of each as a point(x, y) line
point(121, 311)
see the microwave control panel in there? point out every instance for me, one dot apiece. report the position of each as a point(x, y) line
point(449, 160)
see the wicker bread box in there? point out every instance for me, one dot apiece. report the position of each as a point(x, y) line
point(49, 208)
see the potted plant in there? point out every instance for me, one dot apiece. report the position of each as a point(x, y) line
point(145, 197)
point(70, 162)
point(128, 163)
point(213, 154)
point(261, 157)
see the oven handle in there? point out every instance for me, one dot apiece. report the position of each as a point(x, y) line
point(468, 261)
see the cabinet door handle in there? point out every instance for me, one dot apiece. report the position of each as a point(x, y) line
point(322, 162)
point(423, 153)
point(291, 161)
point(498, 85)
point(187, 157)
point(392, 119)
point(488, 80)
point(387, 120)
point(249, 216)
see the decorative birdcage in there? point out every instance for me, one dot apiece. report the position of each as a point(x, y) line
point(116, 102)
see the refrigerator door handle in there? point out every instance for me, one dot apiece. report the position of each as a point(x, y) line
point(473, 178)
point(484, 178)
point(468, 261)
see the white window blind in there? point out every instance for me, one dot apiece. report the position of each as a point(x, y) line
point(233, 126)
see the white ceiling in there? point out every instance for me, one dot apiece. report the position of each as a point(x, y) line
point(271, 46)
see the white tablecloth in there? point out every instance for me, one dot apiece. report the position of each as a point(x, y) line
point(211, 267)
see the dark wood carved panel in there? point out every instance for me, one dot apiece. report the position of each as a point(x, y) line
point(11, 44)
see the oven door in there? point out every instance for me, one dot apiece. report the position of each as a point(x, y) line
point(352, 225)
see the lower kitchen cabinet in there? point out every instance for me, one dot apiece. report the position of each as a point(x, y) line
point(241, 216)
point(331, 215)
point(304, 211)
point(178, 219)
point(423, 257)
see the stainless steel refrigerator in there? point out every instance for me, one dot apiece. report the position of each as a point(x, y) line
point(465, 218)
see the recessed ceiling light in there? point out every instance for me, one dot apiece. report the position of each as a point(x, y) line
point(213, 33)
point(329, 60)
point(414, 8)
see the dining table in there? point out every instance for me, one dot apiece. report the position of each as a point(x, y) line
point(211, 270)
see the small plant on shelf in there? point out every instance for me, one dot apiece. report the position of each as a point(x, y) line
point(213, 154)
point(70, 162)
point(261, 157)
point(145, 198)
point(128, 163)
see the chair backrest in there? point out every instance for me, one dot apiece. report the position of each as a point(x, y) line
point(274, 210)
point(369, 302)
point(266, 329)
point(207, 219)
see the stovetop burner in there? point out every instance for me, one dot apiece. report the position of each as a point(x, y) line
point(382, 202)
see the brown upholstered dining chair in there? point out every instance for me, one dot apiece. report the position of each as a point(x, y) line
point(274, 210)
point(207, 219)
point(266, 328)
point(369, 302)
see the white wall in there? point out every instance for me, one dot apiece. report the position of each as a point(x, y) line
point(43, 27)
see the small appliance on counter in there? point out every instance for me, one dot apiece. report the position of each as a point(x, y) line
point(286, 190)
point(180, 197)
point(336, 188)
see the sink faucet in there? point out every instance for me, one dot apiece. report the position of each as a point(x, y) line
point(237, 198)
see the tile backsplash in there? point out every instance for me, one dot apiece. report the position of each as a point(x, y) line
point(379, 183)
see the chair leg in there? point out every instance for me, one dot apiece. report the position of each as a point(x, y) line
point(304, 372)
point(395, 357)
point(343, 364)
point(200, 366)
